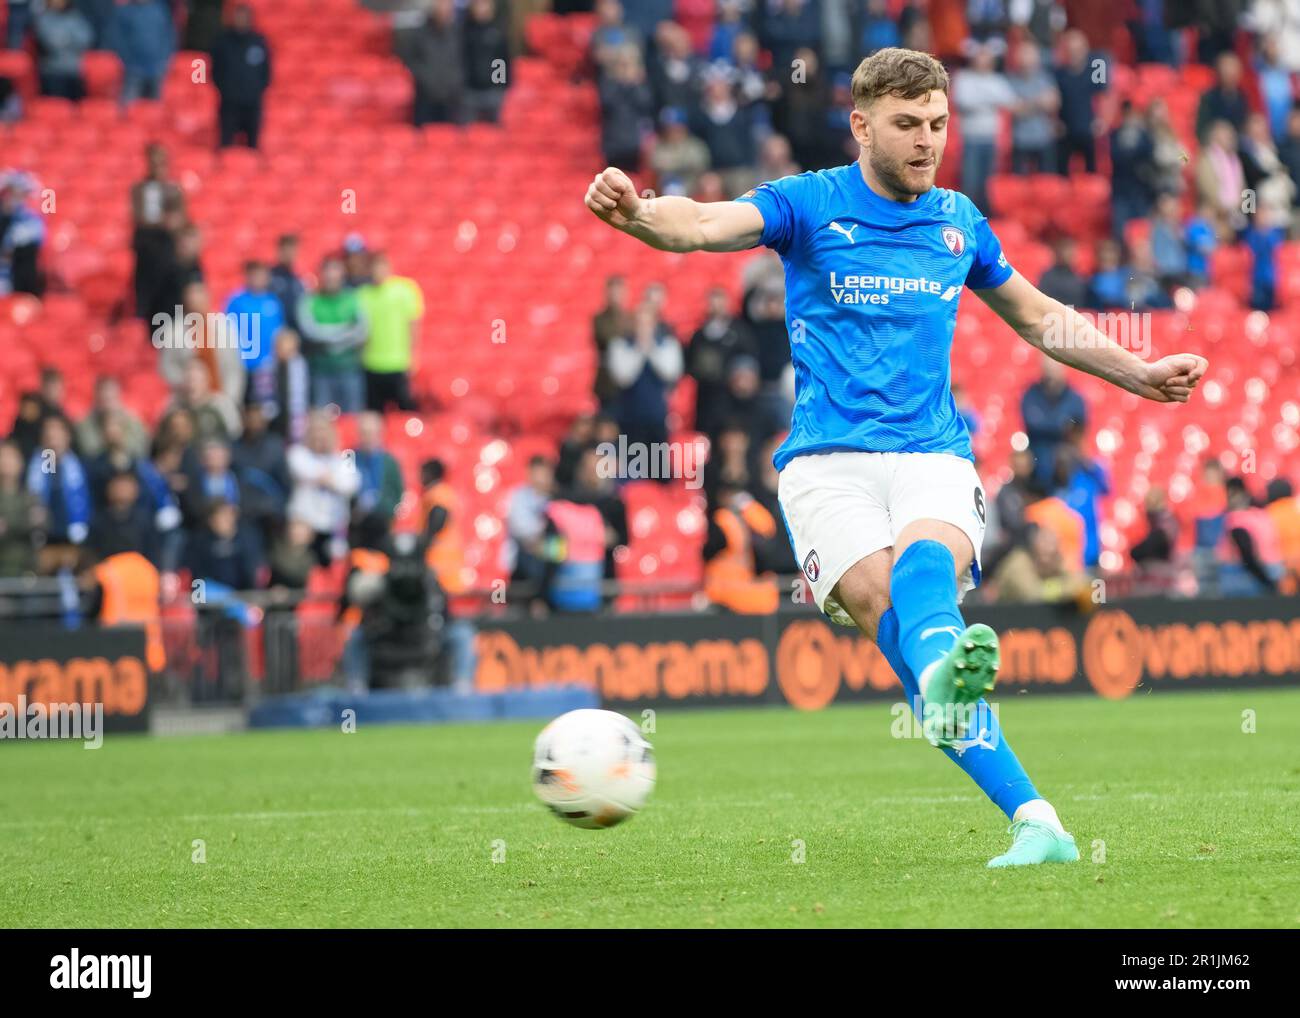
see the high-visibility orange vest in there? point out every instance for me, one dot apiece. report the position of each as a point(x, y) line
point(365, 560)
point(1258, 523)
point(130, 585)
point(729, 577)
point(1054, 514)
point(445, 555)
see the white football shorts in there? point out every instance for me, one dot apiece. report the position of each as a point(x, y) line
point(839, 507)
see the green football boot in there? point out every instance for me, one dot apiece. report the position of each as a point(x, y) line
point(1035, 842)
point(965, 674)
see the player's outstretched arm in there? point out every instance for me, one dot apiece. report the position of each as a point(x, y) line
point(672, 223)
point(1067, 336)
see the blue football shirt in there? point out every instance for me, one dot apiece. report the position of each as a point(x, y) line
point(871, 304)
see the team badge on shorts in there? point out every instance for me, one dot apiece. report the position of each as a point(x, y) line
point(812, 566)
point(954, 240)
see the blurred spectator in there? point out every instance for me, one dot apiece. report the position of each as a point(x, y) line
point(581, 434)
point(198, 335)
point(788, 27)
point(1277, 20)
point(202, 24)
point(675, 71)
point(1033, 124)
point(525, 551)
point(258, 459)
point(644, 366)
point(728, 24)
point(433, 50)
point(626, 106)
point(292, 559)
point(679, 157)
point(979, 95)
point(1264, 170)
point(108, 403)
point(380, 478)
point(612, 36)
point(732, 453)
point(775, 555)
point(737, 522)
point(1264, 235)
point(22, 515)
point(720, 338)
point(18, 22)
point(1289, 149)
point(1049, 407)
point(1250, 555)
point(334, 328)
point(393, 306)
point(1155, 43)
point(324, 481)
point(1037, 572)
point(1061, 281)
point(487, 62)
point(287, 407)
point(593, 485)
point(1081, 483)
point(743, 405)
point(356, 262)
point(966, 409)
point(1108, 287)
point(286, 284)
point(1009, 506)
point(1078, 80)
point(214, 481)
point(1168, 157)
point(1162, 530)
point(1168, 246)
point(1144, 292)
point(745, 73)
point(241, 72)
point(112, 456)
point(1224, 100)
point(63, 35)
point(257, 316)
point(1202, 237)
point(611, 321)
point(726, 127)
point(799, 114)
point(1132, 169)
point(144, 37)
point(56, 477)
point(151, 200)
point(22, 234)
point(441, 523)
point(765, 312)
point(180, 264)
point(224, 552)
point(1274, 84)
point(123, 523)
point(1284, 508)
point(879, 29)
point(214, 413)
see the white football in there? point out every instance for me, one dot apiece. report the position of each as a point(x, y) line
point(593, 768)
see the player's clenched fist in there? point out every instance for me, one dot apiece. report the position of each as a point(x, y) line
point(612, 197)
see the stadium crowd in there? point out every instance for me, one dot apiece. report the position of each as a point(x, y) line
point(243, 483)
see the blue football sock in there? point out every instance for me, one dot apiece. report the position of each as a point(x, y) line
point(923, 589)
point(985, 755)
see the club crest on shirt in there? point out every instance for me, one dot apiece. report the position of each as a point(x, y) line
point(954, 240)
point(812, 566)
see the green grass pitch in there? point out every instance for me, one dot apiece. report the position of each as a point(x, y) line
point(762, 817)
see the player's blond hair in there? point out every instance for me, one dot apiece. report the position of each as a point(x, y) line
point(905, 73)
